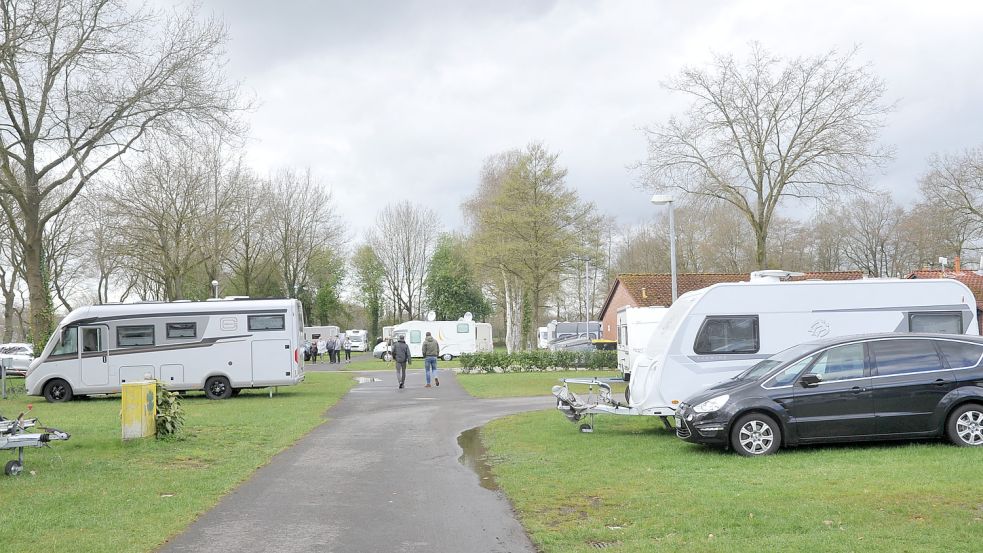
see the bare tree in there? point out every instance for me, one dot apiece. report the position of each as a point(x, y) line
point(874, 240)
point(252, 245)
point(769, 129)
point(404, 239)
point(956, 182)
point(81, 82)
point(302, 224)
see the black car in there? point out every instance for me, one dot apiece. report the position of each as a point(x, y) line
point(873, 387)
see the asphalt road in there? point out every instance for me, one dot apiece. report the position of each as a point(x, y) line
point(382, 475)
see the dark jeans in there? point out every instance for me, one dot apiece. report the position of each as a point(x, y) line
point(348, 354)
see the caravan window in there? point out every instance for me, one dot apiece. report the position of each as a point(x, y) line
point(944, 322)
point(414, 336)
point(133, 336)
point(182, 330)
point(728, 335)
point(463, 328)
point(68, 343)
point(266, 322)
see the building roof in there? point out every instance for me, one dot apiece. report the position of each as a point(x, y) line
point(972, 280)
point(648, 289)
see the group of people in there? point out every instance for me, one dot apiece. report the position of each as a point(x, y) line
point(332, 347)
point(402, 357)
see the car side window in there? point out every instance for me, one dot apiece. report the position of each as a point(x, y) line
point(961, 355)
point(904, 356)
point(787, 376)
point(840, 363)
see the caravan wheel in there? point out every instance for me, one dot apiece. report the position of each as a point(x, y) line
point(218, 387)
point(447, 357)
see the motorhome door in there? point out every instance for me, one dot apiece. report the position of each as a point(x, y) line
point(93, 362)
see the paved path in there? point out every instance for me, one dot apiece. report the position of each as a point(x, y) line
point(382, 475)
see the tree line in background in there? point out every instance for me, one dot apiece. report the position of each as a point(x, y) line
point(122, 176)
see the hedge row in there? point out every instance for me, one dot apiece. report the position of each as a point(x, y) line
point(537, 360)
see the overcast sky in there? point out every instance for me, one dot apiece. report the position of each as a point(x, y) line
point(392, 100)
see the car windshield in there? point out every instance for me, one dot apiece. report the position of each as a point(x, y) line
point(758, 370)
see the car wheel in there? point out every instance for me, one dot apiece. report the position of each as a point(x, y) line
point(57, 391)
point(755, 434)
point(387, 356)
point(218, 387)
point(965, 426)
point(447, 357)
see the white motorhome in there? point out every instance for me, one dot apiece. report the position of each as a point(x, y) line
point(358, 338)
point(455, 337)
point(219, 346)
point(635, 327)
point(711, 334)
point(322, 332)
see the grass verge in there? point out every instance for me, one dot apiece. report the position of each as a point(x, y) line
point(530, 384)
point(96, 493)
point(633, 486)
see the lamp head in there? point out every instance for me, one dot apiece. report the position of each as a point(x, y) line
point(661, 199)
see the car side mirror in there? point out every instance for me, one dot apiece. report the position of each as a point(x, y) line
point(810, 380)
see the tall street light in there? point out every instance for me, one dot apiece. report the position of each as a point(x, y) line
point(665, 199)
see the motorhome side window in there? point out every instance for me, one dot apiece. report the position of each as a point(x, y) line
point(737, 334)
point(944, 322)
point(68, 343)
point(463, 328)
point(182, 330)
point(266, 322)
point(415, 337)
point(133, 336)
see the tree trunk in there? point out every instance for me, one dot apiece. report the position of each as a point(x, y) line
point(38, 293)
point(761, 248)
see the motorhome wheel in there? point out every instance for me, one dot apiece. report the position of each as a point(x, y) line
point(447, 357)
point(13, 468)
point(218, 387)
point(57, 391)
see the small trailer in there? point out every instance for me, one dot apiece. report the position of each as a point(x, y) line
point(13, 436)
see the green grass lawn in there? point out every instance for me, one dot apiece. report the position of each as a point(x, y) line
point(530, 383)
point(96, 493)
point(633, 486)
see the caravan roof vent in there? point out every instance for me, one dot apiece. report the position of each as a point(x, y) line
point(772, 275)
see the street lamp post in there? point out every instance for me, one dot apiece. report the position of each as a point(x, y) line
point(665, 199)
point(215, 289)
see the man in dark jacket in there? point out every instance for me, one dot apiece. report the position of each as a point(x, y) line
point(401, 355)
point(431, 349)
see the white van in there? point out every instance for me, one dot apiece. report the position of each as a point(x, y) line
point(635, 327)
point(358, 339)
point(455, 337)
point(219, 346)
point(710, 335)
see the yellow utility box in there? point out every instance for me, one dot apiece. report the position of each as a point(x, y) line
point(139, 409)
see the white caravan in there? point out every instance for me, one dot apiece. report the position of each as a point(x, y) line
point(711, 334)
point(219, 346)
point(455, 337)
point(358, 338)
point(635, 327)
point(322, 332)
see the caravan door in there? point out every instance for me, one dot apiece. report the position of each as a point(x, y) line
point(93, 355)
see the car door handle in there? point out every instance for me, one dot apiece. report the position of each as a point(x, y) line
point(858, 389)
point(939, 382)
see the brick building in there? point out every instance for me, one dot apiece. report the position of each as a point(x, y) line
point(649, 289)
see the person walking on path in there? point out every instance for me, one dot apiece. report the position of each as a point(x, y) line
point(313, 350)
point(401, 355)
point(332, 349)
point(431, 349)
point(348, 349)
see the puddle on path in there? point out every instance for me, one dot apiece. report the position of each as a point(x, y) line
point(475, 457)
point(364, 379)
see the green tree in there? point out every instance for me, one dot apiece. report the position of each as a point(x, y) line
point(450, 284)
point(327, 272)
point(368, 274)
point(528, 228)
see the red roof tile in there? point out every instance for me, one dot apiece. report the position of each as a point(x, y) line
point(972, 280)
